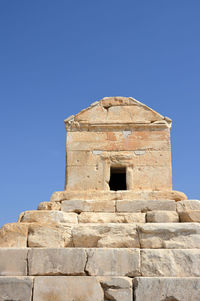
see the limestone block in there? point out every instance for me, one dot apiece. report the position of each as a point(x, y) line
point(167, 289)
point(13, 236)
point(48, 216)
point(119, 294)
point(145, 205)
point(88, 205)
point(49, 236)
point(13, 262)
point(106, 195)
point(92, 217)
point(16, 288)
point(190, 216)
point(68, 261)
point(49, 206)
point(105, 235)
point(113, 262)
point(162, 217)
point(188, 205)
point(69, 288)
point(115, 282)
point(169, 235)
point(170, 263)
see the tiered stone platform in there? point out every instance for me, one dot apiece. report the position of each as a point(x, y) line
point(97, 250)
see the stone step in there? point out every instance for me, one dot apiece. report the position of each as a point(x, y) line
point(100, 262)
point(166, 289)
point(117, 205)
point(57, 217)
point(102, 235)
point(87, 288)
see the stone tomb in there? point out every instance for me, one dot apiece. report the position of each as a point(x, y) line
point(118, 232)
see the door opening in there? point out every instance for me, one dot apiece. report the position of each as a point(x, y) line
point(117, 178)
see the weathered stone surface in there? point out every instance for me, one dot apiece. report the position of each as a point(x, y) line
point(13, 262)
point(162, 217)
point(49, 206)
point(190, 216)
point(170, 263)
point(16, 288)
point(119, 294)
point(105, 236)
point(103, 195)
point(188, 205)
point(144, 205)
point(13, 236)
point(68, 288)
point(92, 217)
point(167, 289)
point(113, 262)
point(57, 261)
point(169, 235)
point(48, 216)
point(88, 205)
point(115, 282)
point(49, 236)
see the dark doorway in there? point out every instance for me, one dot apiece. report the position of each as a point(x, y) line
point(117, 178)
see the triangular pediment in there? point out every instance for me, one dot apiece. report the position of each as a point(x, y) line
point(117, 110)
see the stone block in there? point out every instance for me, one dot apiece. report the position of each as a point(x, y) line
point(49, 236)
point(167, 289)
point(190, 216)
point(188, 205)
point(93, 217)
point(88, 205)
point(13, 236)
point(49, 206)
point(145, 205)
point(169, 235)
point(56, 261)
point(105, 236)
point(13, 262)
point(162, 217)
point(16, 288)
point(48, 216)
point(113, 262)
point(69, 288)
point(170, 263)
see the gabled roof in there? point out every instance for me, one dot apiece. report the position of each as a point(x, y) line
point(117, 110)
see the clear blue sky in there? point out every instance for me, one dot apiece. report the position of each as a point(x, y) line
point(56, 57)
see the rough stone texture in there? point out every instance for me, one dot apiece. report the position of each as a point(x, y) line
point(13, 262)
point(56, 261)
point(47, 216)
point(13, 236)
point(170, 263)
point(113, 262)
point(117, 288)
point(119, 294)
point(88, 205)
point(162, 217)
point(49, 206)
point(103, 195)
point(49, 236)
point(167, 289)
point(105, 236)
point(90, 217)
point(16, 289)
point(188, 205)
point(169, 236)
point(190, 216)
point(68, 288)
point(144, 205)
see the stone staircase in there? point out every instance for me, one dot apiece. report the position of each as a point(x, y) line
point(96, 250)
